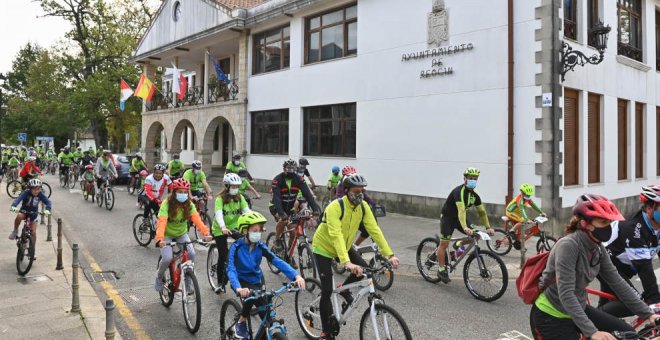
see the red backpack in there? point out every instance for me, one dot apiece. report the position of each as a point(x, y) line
point(530, 274)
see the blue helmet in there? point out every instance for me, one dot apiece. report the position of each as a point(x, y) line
point(335, 169)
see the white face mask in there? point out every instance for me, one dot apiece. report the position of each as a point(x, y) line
point(233, 191)
point(237, 162)
point(254, 237)
point(196, 172)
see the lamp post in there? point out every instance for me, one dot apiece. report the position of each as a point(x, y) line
point(2, 104)
point(571, 58)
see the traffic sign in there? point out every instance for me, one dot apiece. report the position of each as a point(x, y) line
point(22, 137)
point(45, 139)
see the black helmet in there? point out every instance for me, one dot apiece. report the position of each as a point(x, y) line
point(236, 156)
point(354, 180)
point(243, 172)
point(303, 162)
point(290, 166)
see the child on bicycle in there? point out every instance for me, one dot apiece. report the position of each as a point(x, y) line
point(229, 206)
point(244, 266)
point(173, 217)
point(245, 184)
point(88, 178)
point(515, 211)
point(333, 181)
point(30, 200)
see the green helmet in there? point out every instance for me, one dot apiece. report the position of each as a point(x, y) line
point(471, 172)
point(527, 189)
point(250, 218)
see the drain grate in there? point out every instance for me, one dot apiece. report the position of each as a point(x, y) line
point(34, 279)
point(106, 275)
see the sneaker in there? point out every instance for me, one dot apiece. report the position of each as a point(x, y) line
point(325, 336)
point(221, 290)
point(512, 234)
point(158, 285)
point(241, 331)
point(13, 234)
point(444, 276)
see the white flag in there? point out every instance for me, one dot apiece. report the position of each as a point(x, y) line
point(175, 80)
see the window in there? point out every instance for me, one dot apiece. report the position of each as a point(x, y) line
point(571, 137)
point(185, 138)
point(639, 140)
point(192, 142)
point(270, 132)
point(622, 138)
point(216, 138)
point(270, 50)
point(331, 35)
point(330, 130)
point(630, 28)
point(593, 138)
point(593, 18)
point(570, 19)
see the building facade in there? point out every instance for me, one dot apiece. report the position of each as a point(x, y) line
point(412, 93)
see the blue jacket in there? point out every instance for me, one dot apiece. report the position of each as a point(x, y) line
point(31, 203)
point(245, 265)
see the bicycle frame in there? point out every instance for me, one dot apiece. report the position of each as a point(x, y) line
point(180, 263)
point(530, 228)
point(476, 236)
point(638, 321)
point(268, 324)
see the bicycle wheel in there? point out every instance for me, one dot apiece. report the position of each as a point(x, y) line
point(109, 199)
point(45, 188)
point(281, 253)
point(545, 243)
point(63, 179)
point(486, 278)
point(306, 264)
point(23, 258)
point(14, 188)
point(389, 324)
point(427, 261)
point(191, 301)
point(384, 278)
point(229, 314)
point(212, 266)
point(72, 179)
point(167, 295)
point(337, 268)
point(500, 243)
point(307, 309)
point(99, 198)
point(142, 230)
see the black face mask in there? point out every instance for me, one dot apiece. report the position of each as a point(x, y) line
point(602, 234)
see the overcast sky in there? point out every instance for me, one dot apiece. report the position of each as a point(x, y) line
point(21, 21)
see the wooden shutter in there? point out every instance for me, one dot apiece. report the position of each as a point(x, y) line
point(593, 138)
point(622, 138)
point(571, 137)
point(639, 140)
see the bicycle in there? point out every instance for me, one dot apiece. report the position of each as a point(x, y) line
point(384, 277)
point(73, 176)
point(378, 321)
point(299, 223)
point(105, 194)
point(53, 167)
point(17, 186)
point(132, 185)
point(26, 247)
point(212, 259)
point(502, 242)
point(637, 322)
point(270, 327)
point(200, 205)
point(486, 263)
point(249, 199)
point(89, 188)
point(66, 177)
point(12, 174)
point(182, 269)
point(144, 229)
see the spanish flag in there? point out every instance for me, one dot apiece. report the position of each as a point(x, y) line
point(145, 88)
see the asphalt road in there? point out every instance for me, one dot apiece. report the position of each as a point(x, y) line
point(432, 311)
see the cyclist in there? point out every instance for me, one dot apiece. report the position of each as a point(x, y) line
point(339, 193)
point(303, 163)
point(86, 160)
point(234, 165)
point(137, 165)
point(174, 167)
point(244, 267)
point(173, 216)
point(104, 168)
point(154, 190)
point(77, 155)
point(30, 199)
point(29, 170)
point(6, 154)
point(632, 248)
point(197, 179)
point(245, 184)
point(99, 152)
point(333, 181)
point(561, 310)
point(285, 188)
point(333, 239)
point(88, 178)
point(66, 160)
point(229, 206)
point(454, 216)
point(515, 211)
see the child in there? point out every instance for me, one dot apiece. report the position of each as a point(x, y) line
point(30, 200)
point(88, 178)
point(515, 211)
point(143, 177)
point(245, 184)
point(333, 181)
point(244, 267)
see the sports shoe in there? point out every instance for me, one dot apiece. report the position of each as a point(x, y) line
point(512, 234)
point(158, 285)
point(13, 234)
point(325, 336)
point(241, 331)
point(220, 290)
point(444, 276)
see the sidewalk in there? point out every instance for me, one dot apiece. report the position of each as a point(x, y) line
point(38, 305)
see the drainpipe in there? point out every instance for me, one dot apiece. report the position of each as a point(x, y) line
point(510, 133)
point(556, 94)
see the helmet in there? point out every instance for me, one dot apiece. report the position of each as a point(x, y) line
point(89, 167)
point(236, 156)
point(250, 218)
point(335, 169)
point(650, 193)
point(144, 173)
point(589, 206)
point(527, 189)
point(471, 172)
point(354, 180)
point(160, 167)
point(180, 183)
point(79, 148)
point(290, 166)
point(62, 149)
point(347, 170)
point(303, 161)
point(32, 159)
point(196, 164)
point(31, 148)
point(242, 172)
point(107, 152)
point(35, 182)
point(137, 154)
point(232, 179)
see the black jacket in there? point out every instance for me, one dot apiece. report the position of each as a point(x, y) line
point(284, 196)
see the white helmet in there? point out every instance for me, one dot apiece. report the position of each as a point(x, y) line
point(232, 179)
point(138, 154)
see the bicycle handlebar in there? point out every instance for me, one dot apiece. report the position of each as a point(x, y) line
point(257, 293)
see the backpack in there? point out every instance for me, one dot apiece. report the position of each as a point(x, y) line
point(530, 274)
point(341, 216)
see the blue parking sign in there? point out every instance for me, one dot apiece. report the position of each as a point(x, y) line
point(22, 137)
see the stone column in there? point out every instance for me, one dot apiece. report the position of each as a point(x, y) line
point(205, 156)
point(242, 72)
point(206, 77)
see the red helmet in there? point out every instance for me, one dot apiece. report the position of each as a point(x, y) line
point(650, 193)
point(589, 206)
point(180, 183)
point(347, 170)
point(89, 166)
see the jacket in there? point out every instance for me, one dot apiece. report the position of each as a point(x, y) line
point(245, 265)
point(30, 203)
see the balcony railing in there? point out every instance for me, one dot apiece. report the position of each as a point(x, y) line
point(218, 93)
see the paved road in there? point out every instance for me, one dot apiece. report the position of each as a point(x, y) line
point(431, 311)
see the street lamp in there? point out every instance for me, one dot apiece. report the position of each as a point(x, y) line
point(571, 58)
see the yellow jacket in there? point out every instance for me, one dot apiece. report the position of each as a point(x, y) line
point(333, 236)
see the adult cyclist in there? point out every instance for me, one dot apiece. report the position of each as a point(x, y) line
point(65, 159)
point(454, 216)
point(234, 165)
point(174, 167)
point(154, 190)
point(137, 165)
point(304, 163)
point(104, 168)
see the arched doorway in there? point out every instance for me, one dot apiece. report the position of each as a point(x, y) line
point(220, 141)
point(156, 143)
point(184, 139)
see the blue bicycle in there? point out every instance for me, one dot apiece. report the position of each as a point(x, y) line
point(270, 328)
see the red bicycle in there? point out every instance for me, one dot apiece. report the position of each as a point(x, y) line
point(300, 223)
point(637, 322)
point(501, 242)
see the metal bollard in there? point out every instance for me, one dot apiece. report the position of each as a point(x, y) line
point(75, 298)
point(42, 215)
point(523, 248)
point(59, 245)
point(109, 319)
point(49, 227)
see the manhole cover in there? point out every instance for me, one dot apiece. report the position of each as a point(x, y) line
point(33, 279)
point(94, 276)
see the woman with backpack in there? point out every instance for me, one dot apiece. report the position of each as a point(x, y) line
point(561, 310)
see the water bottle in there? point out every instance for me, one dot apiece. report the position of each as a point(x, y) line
point(655, 308)
point(459, 251)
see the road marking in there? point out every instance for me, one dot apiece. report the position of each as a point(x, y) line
point(124, 311)
point(513, 335)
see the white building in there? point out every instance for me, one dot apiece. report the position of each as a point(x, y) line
point(413, 92)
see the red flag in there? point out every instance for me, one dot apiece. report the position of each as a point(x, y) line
point(183, 86)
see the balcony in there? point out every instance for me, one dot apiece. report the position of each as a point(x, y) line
point(218, 92)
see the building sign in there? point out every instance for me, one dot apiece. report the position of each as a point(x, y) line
point(546, 99)
point(438, 24)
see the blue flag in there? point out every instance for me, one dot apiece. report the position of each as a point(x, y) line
point(221, 75)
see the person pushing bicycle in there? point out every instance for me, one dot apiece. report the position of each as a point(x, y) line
point(29, 201)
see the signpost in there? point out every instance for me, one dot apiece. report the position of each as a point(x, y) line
point(22, 137)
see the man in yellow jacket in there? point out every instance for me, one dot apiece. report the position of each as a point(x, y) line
point(334, 239)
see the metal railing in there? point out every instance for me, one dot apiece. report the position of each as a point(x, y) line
point(218, 93)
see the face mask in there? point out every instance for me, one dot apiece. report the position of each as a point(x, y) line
point(356, 198)
point(254, 237)
point(656, 216)
point(471, 183)
point(237, 162)
point(196, 172)
point(233, 191)
point(182, 197)
point(602, 234)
